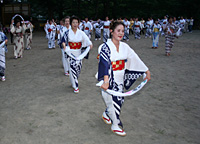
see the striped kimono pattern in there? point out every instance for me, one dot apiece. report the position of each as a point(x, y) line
point(170, 36)
point(2, 54)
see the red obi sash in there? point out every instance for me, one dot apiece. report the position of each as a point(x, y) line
point(87, 28)
point(106, 26)
point(75, 45)
point(49, 30)
point(118, 65)
point(137, 25)
point(164, 22)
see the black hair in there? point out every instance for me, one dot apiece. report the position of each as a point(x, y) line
point(114, 24)
point(74, 18)
point(67, 17)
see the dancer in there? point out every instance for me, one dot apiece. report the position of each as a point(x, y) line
point(170, 34)
point(64, 29)
point(148, 29)
point(28, 35)
point(72, 41)
point(126, 30)
point(106, 31)
point(97, 30)
point(116, 60)
point(137, 27)
point(3, 49)
point(18, 32)
point(182, 24)
point(88, 28)
point(51, 33)
point(156, 33)
point(164, 23)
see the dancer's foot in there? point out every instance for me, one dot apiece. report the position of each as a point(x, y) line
point(117, 130)
point(3, 78)
point(106, 119)
point(67, 73)
point(76, 90)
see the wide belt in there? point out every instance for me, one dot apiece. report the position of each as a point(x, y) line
point(137, 26)
point(106, 27)
point(118, 65)
point(87, 28)
point(156, 30)
point(75, 45)
point(19, 34)
point(49, 30)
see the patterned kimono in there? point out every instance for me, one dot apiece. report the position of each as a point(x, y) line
point(51, 33)
point(170, 36)
point(126, 30)
point(87, 28)
point(156, 32)
point(97, 30)
point(164, 23)
point(137, 27)
point(148, 29)
point(106, 30)
point(2, 54)
point(123, 68)
point(182, 24)
point(74, 42)
point(28, 36)
point(64, 57)
point(18, 40)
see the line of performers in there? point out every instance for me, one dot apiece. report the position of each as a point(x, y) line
point(22, 32)
point(118, 63)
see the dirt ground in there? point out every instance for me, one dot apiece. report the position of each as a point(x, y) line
point(38, 106)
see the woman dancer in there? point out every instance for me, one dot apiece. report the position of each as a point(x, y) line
point(18, 32)
point(116, 60)
point(156, 33)
point(170, 34)
point(73, 40)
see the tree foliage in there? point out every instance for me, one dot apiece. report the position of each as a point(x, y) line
point(115, 8)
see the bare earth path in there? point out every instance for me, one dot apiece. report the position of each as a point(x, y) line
point(38, 106)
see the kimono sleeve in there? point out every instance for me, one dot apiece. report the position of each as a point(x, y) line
point(85, 40)
point(134, 63)
point(104, 62)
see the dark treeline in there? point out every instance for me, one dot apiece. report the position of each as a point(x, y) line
point(116, 8)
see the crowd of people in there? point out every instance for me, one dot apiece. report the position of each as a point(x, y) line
point(119, 66)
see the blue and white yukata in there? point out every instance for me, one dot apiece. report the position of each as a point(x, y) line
point(97, 30)
point(182, 24)
point(51, 33)
point(106, 30)
point(137, 27)
point(156, 33)
point(148, 29)
point(88, 28)
point(109, 62)
point(164, 23)
point(64, 57)
point(170, 35)
point(126, 30)
point(75, 66)
point(3, 49)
